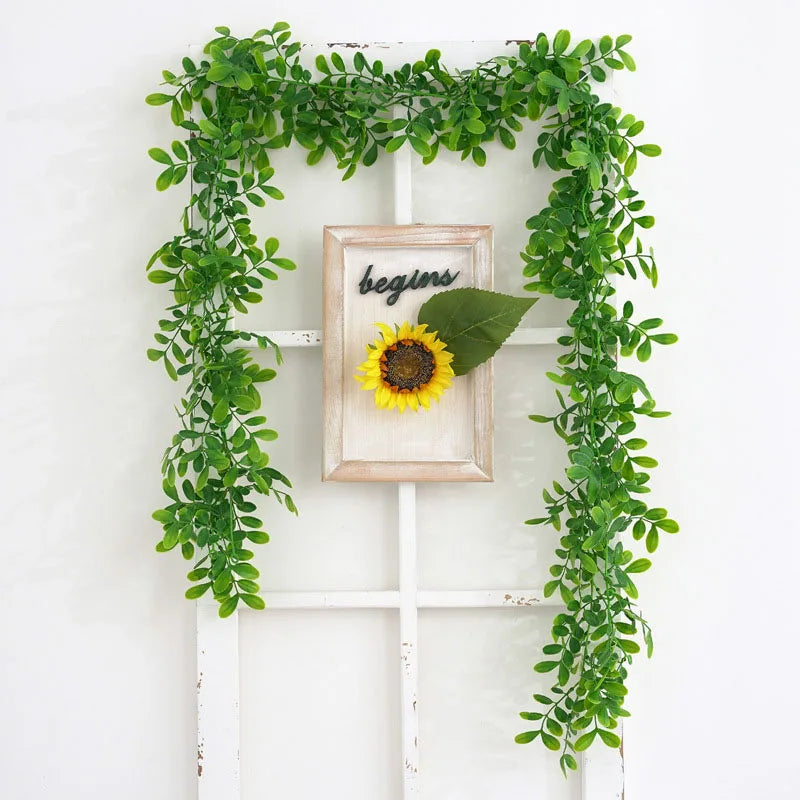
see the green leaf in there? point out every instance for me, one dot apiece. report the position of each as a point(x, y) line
point(254, 601)
point(611, 739)
point(228, 606)
point(649, 150)
point(561, 42)
point(395, 143)
point(585, 741)
point(550, 742)
point(507, 138)
point(630, 165)
point(581, 49)
point(160, 276)
point(157, 154)
point(245, 570)
point(640, 565)
point(627, 60)
point(473, 323)
point(193, 592)
point(154, 354)
point(219, 71)
point(475, 126)
point(570, 761)
point(158, 99)
point(577, 472)
point(180, 151)
point(338, 62)
point(221, 410)
point(423, 148)
point(545, 666)
point(210, 129)
point(164, 181)
point(524, 738)
point(578, 158)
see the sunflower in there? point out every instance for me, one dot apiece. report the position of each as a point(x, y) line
point(406, 368)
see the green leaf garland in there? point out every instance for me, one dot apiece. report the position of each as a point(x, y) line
point(251, 96)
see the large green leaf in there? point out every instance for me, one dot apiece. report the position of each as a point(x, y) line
point(473, 322)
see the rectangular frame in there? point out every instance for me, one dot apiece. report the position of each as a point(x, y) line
point(336, 466)
point(602, 770)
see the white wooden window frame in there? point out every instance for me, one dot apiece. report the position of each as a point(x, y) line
point(602, 768)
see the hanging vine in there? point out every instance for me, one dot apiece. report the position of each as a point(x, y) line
point(252, 96)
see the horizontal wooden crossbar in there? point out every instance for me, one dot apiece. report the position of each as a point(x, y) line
point(426, 598)
point(313, 338)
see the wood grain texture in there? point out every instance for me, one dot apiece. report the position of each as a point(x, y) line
point(452, 441)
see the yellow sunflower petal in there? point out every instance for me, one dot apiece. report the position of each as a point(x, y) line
point(411, 399)
point(389, 337)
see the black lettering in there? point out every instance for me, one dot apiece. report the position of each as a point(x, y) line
point(447, 278)
point(397, 285)
point(365, 284)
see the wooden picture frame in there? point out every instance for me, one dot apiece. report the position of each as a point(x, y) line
point(452, 441)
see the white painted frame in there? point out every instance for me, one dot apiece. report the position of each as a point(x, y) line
point(602, 768)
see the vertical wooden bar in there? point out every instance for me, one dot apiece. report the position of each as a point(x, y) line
point(217, 644)
point(407, 556)
point(217, 704)
point(403, 205)
point(407, 542)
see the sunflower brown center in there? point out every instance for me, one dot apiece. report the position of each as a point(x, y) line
point(407, 365)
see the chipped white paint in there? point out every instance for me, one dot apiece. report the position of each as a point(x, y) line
point(484, 598)
point(287, 338)
point(217, 704)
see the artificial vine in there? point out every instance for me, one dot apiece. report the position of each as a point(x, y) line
point(254, 95)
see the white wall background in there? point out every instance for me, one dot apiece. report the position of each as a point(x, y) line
point(97, 659)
